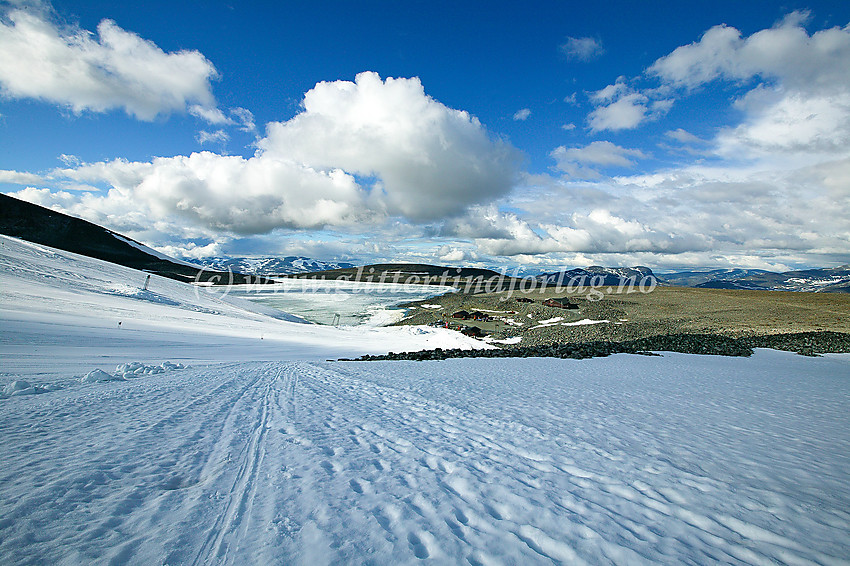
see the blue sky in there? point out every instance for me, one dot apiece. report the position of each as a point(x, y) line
point(668, 134)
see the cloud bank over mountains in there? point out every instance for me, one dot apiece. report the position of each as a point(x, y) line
point(770, 189)
point(366, 165)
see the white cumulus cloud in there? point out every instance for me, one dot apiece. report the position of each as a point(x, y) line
point(581, 162)
point(772, 189)
point(621, 108)
point(800, 101)
point(359, 153)
point(426, 160)
point(683, 136)
point(816, 63)
point(212, 116)
point(113, 69)
point(19, 178)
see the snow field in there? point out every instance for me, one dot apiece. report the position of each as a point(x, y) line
point(60, 311)
point(262, 453)
point(627, 459)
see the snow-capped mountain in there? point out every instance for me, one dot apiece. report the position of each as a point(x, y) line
point(819, 280)
point(829, 280)
point(270, 265)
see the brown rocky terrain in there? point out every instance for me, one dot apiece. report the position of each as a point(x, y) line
point(629, 316)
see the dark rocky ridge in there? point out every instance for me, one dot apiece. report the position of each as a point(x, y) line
point(805, 343)
point(47, 227)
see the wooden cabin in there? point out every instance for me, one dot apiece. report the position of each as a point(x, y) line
point(560, 303)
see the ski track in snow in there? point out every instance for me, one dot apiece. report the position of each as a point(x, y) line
point(625, 460)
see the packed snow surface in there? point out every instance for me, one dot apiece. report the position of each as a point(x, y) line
point(627, 460)
point(207, 431)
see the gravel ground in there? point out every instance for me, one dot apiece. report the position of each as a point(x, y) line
point(668, 318)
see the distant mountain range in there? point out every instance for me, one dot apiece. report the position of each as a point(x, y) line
point(470, 279)
point(824, 280)
point(270, 266)
point(597, 275)
point(699, 277)
point(48, 227)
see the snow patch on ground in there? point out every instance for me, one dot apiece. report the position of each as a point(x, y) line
point(584, 322)
point(557, 322)
point(141, 294)
point(99, 376)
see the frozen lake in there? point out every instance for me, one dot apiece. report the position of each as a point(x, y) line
point(370, 304)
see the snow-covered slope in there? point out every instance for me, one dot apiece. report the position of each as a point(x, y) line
point(261, 452)
point(58, 304)
point(621, 460)
point(33, 223)
point(150, 251)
